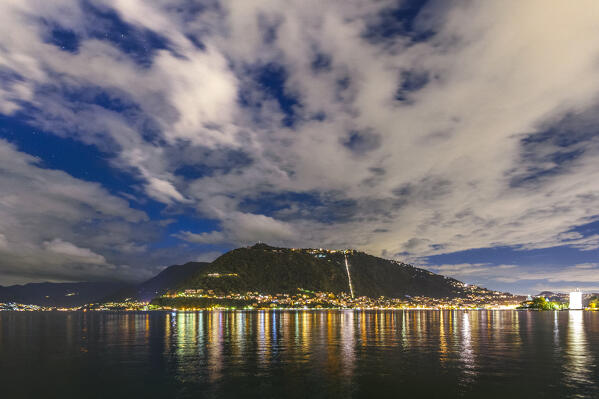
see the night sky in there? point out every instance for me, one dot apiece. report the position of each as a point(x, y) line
point(462, 137)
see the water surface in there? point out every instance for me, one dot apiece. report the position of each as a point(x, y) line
point(300, 354)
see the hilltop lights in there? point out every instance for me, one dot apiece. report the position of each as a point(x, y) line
point(575, 300)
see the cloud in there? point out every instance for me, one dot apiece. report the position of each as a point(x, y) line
point(249, 228)
point(163, 191)
point(208, 256)
point(213, 237)
point(82, 255)
point(53, 223)
point(483, 132)
point(242, 229)
point(448, 153)
point(580, 275)
point(476, 271)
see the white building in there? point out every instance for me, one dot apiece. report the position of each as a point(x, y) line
point(575, 300)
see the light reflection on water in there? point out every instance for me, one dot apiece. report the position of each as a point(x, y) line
point(579, 361)
point(302, 353)
point(467, 357)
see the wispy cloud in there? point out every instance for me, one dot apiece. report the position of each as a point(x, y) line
point(435, 136)
point(562, 279)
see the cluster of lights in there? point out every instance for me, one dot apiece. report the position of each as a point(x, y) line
point(314, 300)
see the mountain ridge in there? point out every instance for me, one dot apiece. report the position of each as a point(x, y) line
point(273, 270)
point(60, 294)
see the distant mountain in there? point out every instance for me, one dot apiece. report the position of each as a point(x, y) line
point(274, 270)
point(60, 294)
point(77, 294)
point(168, 279)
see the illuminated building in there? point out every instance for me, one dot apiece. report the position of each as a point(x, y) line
point(575, 300)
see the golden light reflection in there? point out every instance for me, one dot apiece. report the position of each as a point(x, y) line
point(329, 326)
point(405, 329)
point(214, 345)
point(306, 331)
point(147, 326)
point(237, 335)
point(442, 338)
point(267, 336)
point(332, 351)
point(363, 328)
point(167, 329)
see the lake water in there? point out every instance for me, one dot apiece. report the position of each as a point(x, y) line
point(300, 354)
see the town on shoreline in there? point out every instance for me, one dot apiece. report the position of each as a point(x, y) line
point(200, 300)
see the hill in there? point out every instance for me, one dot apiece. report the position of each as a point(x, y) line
point(273, 270)
point(168, 279)
point(60, 294)
point(78, 294)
